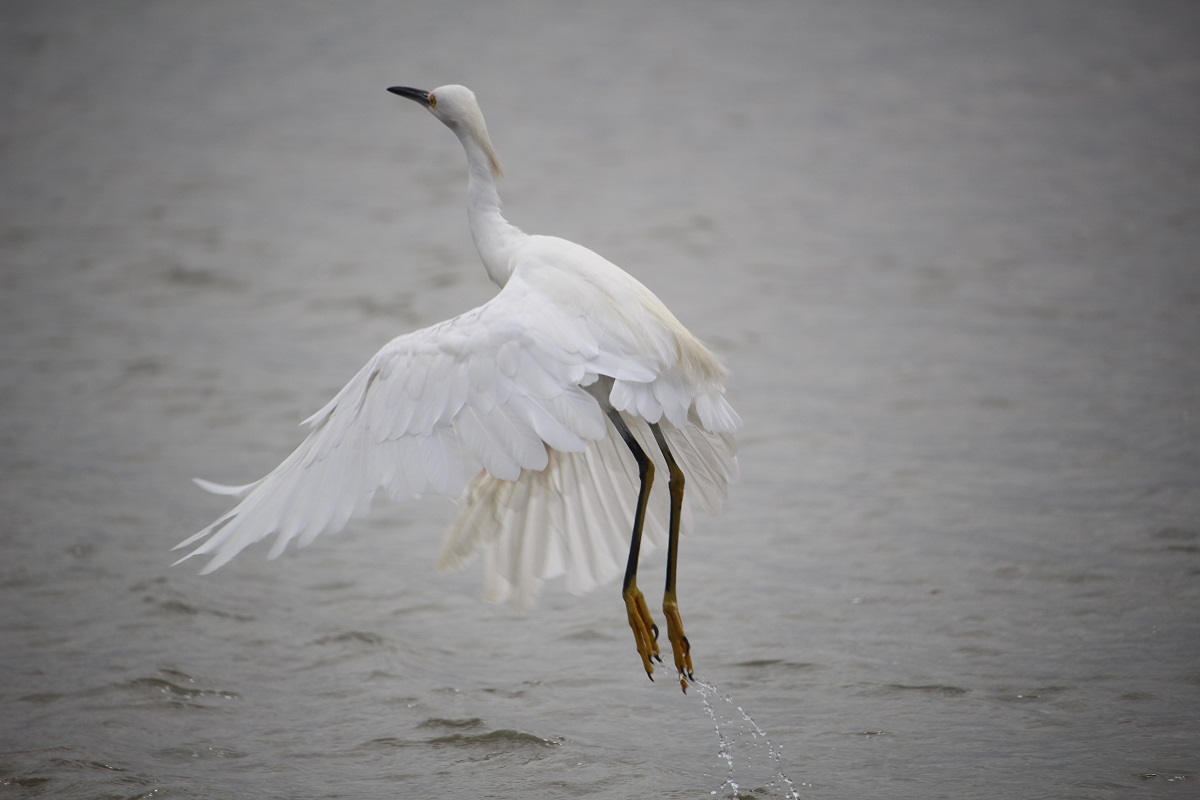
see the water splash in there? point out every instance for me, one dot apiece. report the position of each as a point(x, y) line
point(747, 733)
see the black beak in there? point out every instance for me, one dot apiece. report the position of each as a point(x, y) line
point(420, 95)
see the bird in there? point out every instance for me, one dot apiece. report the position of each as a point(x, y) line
point(565, 393)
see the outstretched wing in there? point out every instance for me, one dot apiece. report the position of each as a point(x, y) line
point(574, 517)
point(501, 382)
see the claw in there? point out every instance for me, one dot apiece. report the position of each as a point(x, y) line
point(681, 648)
point(645, 632)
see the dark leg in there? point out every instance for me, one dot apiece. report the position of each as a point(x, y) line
point(645, 632)
point(680, 646)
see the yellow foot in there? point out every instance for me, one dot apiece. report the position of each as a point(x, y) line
point(645, 632)
point(680, 646)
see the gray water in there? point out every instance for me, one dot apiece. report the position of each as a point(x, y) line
point(948, 249)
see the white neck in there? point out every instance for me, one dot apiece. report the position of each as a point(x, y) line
point(495, 238)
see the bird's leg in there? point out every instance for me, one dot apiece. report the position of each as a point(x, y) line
point(645, 632)
point(680, 647)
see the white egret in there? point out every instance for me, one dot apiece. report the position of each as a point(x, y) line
point(567, 388)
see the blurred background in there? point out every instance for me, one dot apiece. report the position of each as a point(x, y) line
point(948, 250)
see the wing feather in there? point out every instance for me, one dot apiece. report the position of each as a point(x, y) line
point(492, 383)
point(574, 517)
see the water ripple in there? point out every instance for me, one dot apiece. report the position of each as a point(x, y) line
point(440, 722)
point(352, 637)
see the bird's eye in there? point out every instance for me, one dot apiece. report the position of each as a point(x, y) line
point(432, 101)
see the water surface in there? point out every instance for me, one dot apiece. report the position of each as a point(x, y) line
point(947, 249)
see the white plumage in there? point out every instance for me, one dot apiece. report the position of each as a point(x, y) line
point(523, 387)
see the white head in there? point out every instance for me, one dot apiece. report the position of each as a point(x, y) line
point(457, 107)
